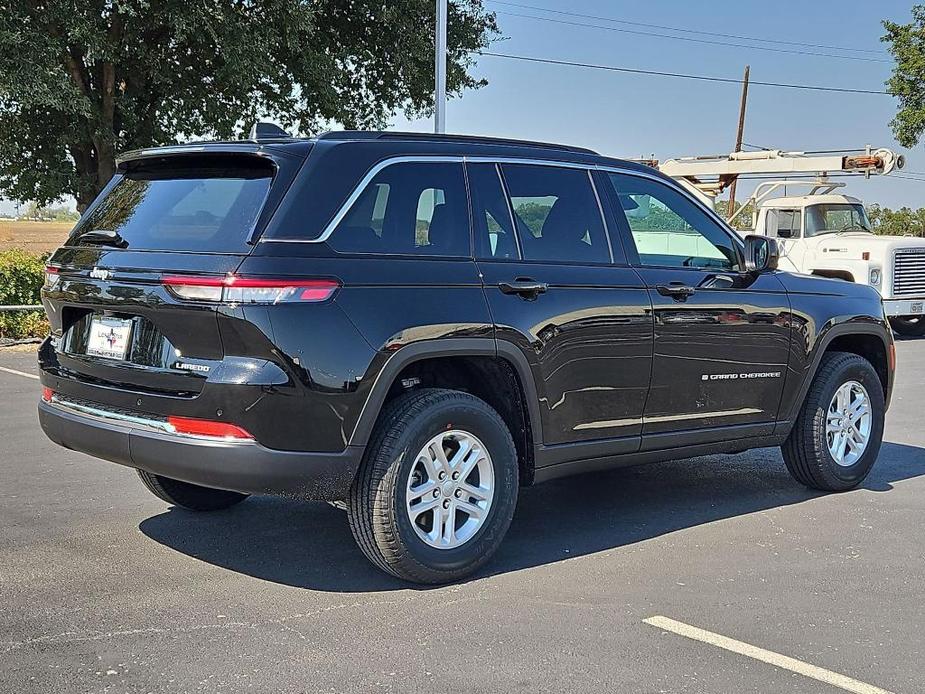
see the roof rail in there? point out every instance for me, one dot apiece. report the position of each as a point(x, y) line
point(432, 137)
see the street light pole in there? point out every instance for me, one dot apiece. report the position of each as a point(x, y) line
point(440, 69)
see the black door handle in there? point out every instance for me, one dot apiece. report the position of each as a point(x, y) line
point(678, 292)
point(527, 288)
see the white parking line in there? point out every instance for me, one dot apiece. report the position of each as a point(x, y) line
point(781, 661)
point(18, 373)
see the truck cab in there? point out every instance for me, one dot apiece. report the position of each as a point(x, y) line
point(829, 235)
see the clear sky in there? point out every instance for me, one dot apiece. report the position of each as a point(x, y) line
point(631, 115)
point(628, 115)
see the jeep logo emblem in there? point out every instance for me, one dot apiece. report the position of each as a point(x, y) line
point(100, 274)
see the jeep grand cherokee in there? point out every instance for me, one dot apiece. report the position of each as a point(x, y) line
point(419, 325)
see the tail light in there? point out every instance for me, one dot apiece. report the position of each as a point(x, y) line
point(51, 277)
point(47, 393)
point(207, 427)
point(250, 290)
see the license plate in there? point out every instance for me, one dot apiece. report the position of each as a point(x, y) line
point(109, 337)
point(916, 307)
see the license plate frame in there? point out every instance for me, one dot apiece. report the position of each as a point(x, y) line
point(109, 337)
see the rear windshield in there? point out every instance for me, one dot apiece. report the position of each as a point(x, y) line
point(201, 208)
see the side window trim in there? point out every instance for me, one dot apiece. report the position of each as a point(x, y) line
point(600, 211)
point(498, 161)
point(621, 254)
point(510, 210)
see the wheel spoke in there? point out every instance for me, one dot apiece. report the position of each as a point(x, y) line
point(469, 464)
point(416, 493)
point(423, 507)
point(449, 524)
point(436, 528)
point(464, 447)
point(430, 465)
point(439, 456)
point(472, 510)
point(477, 493)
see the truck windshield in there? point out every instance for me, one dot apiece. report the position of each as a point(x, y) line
point(835, 217)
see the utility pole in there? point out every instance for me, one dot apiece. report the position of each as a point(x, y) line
point(440, 69)
point(730, 209)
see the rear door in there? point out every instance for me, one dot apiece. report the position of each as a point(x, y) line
point(113, 319)
point(722, 336)
point(558, 291)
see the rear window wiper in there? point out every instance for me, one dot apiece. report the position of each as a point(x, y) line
point(104, 237)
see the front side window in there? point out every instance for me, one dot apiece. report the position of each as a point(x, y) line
point(827, 218)
point(668, 229)
point(412, 208)
point(556, 213)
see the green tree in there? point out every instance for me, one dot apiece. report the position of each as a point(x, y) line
point(902, 222)
point(907, 44)
point(82, 81)
point(743, 222)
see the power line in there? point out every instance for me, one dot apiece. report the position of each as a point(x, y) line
point(693, 40)
point(705, 78)
point(686, 31)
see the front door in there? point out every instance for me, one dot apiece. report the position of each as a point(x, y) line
point(722, 336)
point(582, 320)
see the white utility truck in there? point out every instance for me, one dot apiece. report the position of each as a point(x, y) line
point(821, 232)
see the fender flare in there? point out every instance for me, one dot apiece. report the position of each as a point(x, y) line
point(446, 347)
point(822, 345)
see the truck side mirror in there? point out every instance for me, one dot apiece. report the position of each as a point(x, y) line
point(761, 254)
point(784, 234)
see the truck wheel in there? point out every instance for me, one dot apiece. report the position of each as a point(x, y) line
point(189, 496)
point(908, 326)
point(837, 435)
point(437, 488)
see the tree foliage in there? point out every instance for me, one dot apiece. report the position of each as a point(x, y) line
point(80, 81)
point(743, 222)
point(902, 222)
point(907, 44)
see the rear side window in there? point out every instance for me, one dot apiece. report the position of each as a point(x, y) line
point(209, 209)
point(412, 208)
point(557, 214)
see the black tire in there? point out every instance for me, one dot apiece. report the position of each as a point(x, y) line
point(806, 450)
point(908, 326)
point(189, 496)
point(376, 504)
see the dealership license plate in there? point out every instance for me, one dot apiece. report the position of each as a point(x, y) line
point(917, 307)
point(109, 337)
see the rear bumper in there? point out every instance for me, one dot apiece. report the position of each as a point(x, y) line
point(241, 466)
point(904, 307)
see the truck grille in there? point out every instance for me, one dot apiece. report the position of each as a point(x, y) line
point(909, 271)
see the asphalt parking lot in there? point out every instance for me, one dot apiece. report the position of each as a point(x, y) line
point(104, 588)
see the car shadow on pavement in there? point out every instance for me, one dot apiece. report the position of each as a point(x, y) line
point(309, 545)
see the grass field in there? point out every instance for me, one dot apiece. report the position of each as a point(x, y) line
point(35, 237)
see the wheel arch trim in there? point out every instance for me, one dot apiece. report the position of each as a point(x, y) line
point(822, 345)
point(447, 347)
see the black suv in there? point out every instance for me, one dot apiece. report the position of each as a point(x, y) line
point(419, 325)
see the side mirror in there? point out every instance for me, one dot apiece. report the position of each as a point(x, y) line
point(761, 254)
point(784, 234)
